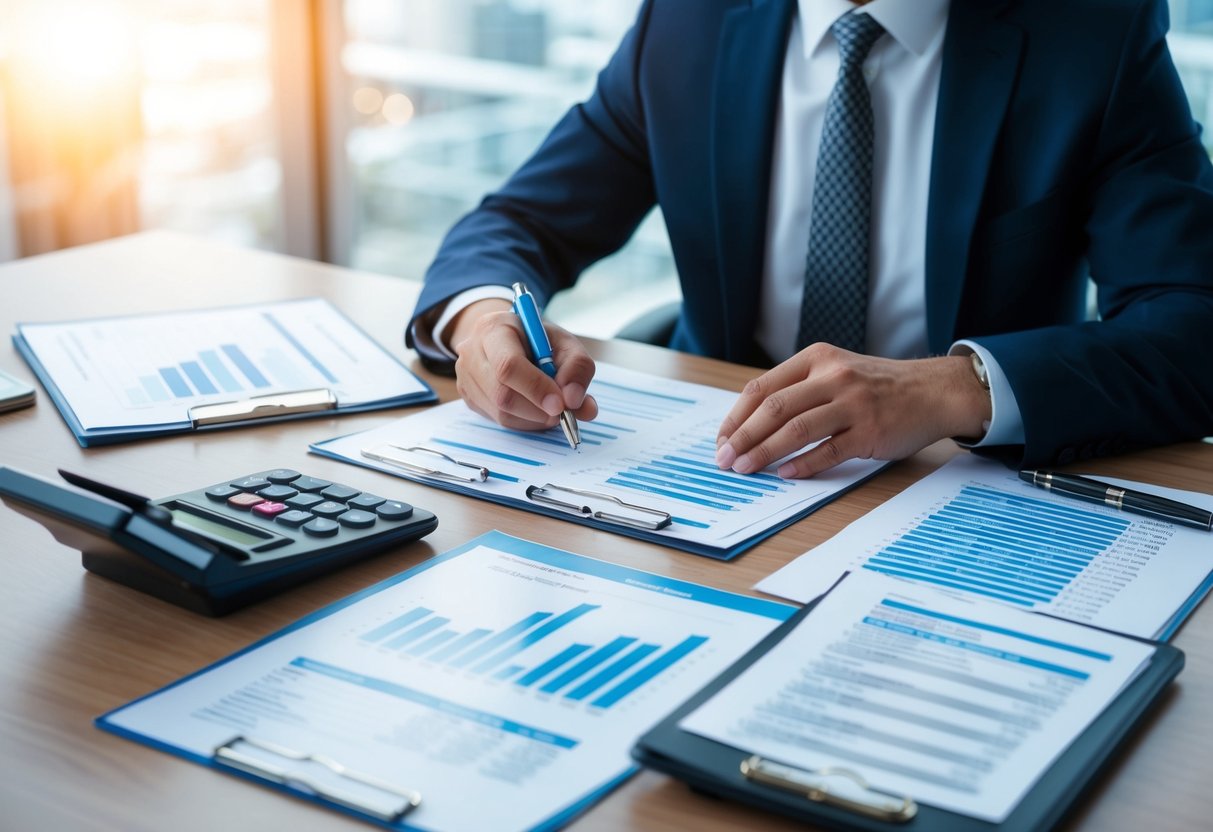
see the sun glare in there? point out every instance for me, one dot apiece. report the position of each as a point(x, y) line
point(74, 46)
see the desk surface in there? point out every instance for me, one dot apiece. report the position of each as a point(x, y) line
point(73, 645)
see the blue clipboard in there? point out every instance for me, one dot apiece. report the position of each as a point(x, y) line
point(240, 412)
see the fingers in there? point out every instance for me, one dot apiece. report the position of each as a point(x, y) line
point(576, 369)
point(777, 414)
point(830, 452)
point(497, 378)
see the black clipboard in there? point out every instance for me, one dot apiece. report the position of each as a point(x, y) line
point(716, 769)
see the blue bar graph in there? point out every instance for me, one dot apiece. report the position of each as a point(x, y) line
point(459, 645)
point(154, 387)
point(198, 378)
point(397, 623)
point(650, 671)
point(536, 635)
point(237, 357)
point(587, 664)
point(564, 656)
point(612, 671)
point(422, 629)
point(172, 377)
point(483, 649)
point(210, 359)
point(1001, 545)
point(528, 653)
point(432, 643)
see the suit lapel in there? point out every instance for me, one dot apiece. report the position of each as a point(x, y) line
point(981, 56)
point(753, 42)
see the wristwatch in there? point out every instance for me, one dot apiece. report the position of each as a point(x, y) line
point(979, 369)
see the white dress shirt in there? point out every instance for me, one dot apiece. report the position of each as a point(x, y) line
point(902, 71)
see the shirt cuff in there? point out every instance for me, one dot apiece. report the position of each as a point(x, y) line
point(437, 334)
point(1006, 422)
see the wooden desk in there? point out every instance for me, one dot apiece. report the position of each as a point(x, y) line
point(73, 646)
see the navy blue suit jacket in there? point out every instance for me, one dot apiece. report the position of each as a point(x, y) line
point(1064, 146)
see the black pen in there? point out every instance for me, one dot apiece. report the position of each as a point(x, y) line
point(1124, 499)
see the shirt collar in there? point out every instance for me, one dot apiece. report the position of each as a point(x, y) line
point(912, 23)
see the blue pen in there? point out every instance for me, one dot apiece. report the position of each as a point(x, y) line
point(541, 350)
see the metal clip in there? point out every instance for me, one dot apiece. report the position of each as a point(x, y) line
point(379, 454)
point(542, 494)
point(832, 786)
point(360, 792)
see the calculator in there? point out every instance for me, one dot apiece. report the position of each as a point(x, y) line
point(220, 547)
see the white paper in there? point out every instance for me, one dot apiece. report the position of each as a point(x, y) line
point(371, 687)
point(653, 444)
point(958, 703)
point(151, 369)
point(974, 526)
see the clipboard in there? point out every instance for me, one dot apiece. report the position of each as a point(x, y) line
point(409, 666)
point(587, 507)
point(645, 467)
point(835, 800)
point(223, 390)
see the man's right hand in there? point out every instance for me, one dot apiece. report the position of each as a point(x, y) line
point(497, 378)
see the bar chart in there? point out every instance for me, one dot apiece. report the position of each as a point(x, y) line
point(529, 653)
point(690, 475)
point(1001, 545)
point(227, 368)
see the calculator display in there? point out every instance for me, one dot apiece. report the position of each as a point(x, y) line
point(216, 530)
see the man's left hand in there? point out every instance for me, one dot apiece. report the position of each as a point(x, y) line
point(853, 406)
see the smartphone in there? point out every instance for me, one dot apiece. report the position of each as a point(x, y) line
point(14, 393)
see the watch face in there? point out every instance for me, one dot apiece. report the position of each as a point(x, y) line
point(979, 368)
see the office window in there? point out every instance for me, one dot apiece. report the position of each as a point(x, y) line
point(1191, 43)
point(438, 101)
point(122, 115)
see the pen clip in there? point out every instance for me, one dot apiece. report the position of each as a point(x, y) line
point(651, 519)
point(380, 453)
point(832, 786)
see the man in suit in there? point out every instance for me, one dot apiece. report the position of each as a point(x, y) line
point(1013, 147)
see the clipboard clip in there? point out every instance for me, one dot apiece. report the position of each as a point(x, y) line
point(263, 407)
point(315, 774)
point(839, 787)
point(391, 455)
point(641, 518)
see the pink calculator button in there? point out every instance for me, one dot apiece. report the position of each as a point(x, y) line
point(269, 509)
point(244, 501)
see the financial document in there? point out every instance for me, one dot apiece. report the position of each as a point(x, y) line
point(973, 526)
point(650, 453)
point(956, 702)
point(504, 681)
point(151, 369)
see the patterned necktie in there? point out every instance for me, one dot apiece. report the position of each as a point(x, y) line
point(834, 308)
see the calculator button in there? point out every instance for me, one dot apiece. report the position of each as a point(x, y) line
point(310, 484)
point(269, 509)
point(278, 492)
point(392, 510)
point(251, 483)
point(357, 519)
point(304, 500)
point(329, 509)
point(293, 518)
point(340, 492)
point(281, 476)
point(244, 501)
point(364, 501)
point(220, 493)
point(321, 527)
